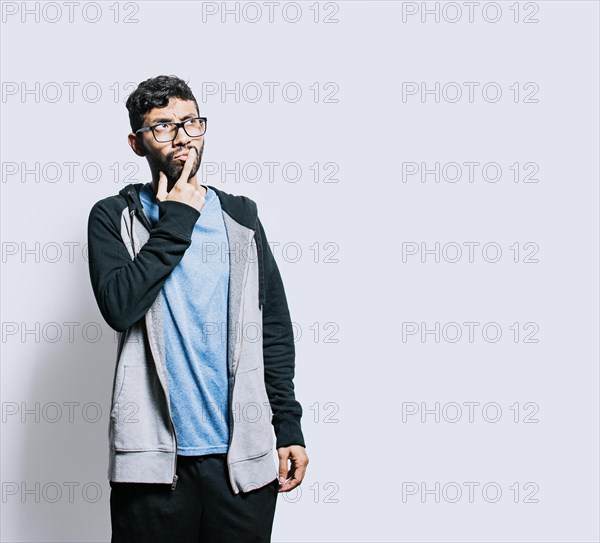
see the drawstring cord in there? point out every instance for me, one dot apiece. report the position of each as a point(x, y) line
point(131, 232)
point(131, 213)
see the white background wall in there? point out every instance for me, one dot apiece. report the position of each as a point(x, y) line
point(378, 470)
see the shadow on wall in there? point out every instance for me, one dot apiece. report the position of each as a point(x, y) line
point(58, 463)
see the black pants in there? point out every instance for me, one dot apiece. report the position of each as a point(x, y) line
point(201, 509)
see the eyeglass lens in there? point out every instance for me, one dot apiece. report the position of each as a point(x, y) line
point(166, 131)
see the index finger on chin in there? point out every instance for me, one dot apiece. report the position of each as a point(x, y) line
point(187, 168)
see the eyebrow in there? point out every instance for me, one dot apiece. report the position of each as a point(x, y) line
point(168, 120)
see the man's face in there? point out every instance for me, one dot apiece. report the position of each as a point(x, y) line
point(163, 156)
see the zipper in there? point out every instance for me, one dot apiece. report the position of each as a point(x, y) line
point(175, 476)
point(174, 433)
point(132, 211)
point(231, 421)
point(234, 373)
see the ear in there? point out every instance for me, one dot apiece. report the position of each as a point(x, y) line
point(136, 144)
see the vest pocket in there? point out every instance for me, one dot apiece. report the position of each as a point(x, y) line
point(249, 358)
point(137, 422)
point(253, 429)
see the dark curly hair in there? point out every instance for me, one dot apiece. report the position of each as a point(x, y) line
point(155, 92)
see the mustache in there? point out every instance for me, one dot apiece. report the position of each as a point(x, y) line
point(180, 151)
point(186, 151)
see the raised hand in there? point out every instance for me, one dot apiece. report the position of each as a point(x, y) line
point(182, 190)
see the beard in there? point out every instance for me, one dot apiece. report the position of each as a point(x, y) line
point(172, 167)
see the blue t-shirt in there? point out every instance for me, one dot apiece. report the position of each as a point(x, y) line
point(195, 320)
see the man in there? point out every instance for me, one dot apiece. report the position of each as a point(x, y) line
point(203, 388)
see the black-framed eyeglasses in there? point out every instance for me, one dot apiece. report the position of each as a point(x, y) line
point(165, 132)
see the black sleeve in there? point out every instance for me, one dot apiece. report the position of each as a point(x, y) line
point(279, 354)
point(125, 288)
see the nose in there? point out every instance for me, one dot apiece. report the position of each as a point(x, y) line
point(181, 138)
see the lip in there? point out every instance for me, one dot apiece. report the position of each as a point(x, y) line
point(181, 155)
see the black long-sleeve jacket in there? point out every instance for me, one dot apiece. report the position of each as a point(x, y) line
point(129, 261)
